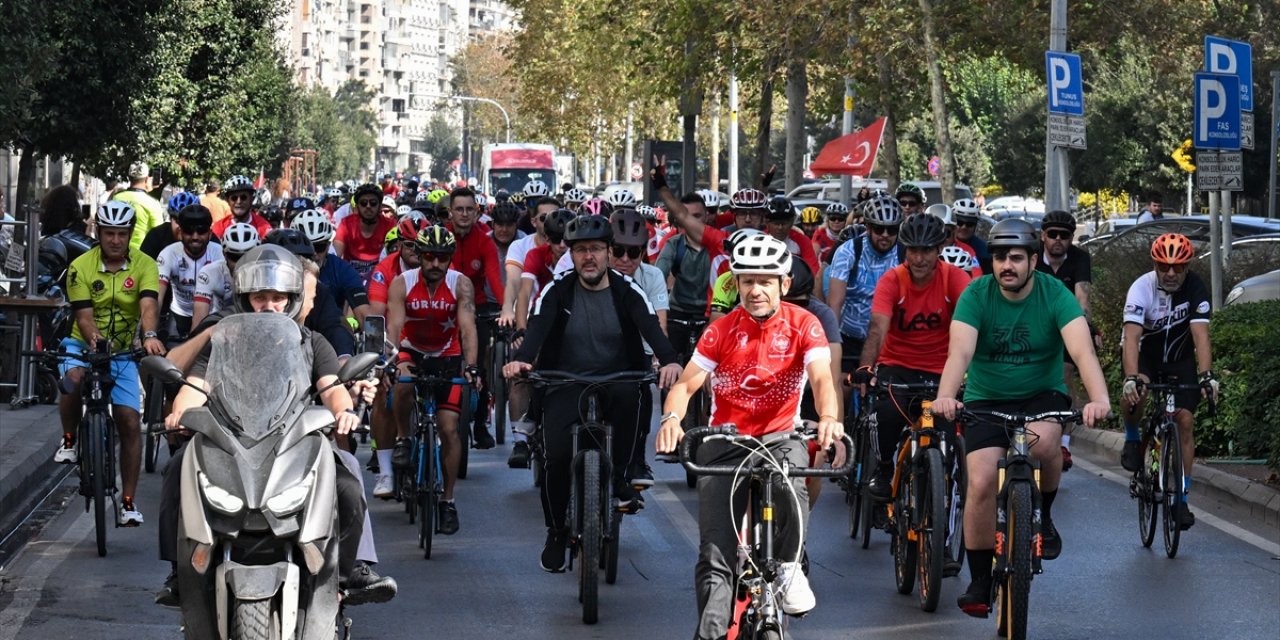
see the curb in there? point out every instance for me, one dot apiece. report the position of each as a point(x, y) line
point(26, 481)
point(1257, 498)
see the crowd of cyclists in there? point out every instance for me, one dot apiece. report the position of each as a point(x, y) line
point(794, 314)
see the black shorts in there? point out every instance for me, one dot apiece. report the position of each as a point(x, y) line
point(1183, 372)
point(850, 351)
point(448, 398)
point(986, 434)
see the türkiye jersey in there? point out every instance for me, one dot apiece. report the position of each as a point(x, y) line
point(758, 368)
point(1165, 317)
point(431, 320)
point(213, 286)
point(178, 271)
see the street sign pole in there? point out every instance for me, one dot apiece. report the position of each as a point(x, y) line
point(733, 133)
point(1275, 138)
point(846, 128)
point(1056, 181)
point(1215, 255)
point(1226, 205)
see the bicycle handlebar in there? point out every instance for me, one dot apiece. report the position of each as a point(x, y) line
point(90, 357)
point(924, 385)
point(556, 377)
point(729, 433)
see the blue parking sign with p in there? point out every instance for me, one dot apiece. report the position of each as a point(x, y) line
point(1066, 86)
point(1233, 58)
point(1217, 112)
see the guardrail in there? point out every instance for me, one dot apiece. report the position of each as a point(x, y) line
point(26, 305)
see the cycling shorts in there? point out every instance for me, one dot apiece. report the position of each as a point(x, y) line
point(986, 433)
point(850, 352)
point(1184, 371)
point(126, 392)
point(447, 398)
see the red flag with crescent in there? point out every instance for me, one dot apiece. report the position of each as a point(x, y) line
point(852, 155)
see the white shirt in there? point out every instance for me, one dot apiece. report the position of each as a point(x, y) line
point(178, 271)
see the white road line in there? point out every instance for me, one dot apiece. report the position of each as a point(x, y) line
point(1243, 535)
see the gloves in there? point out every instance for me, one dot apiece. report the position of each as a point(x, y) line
point(863, 375)
point(1209, 383)
point(658, 175)
point(1131, 385)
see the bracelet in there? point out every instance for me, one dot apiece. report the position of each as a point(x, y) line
point(671, 415)
point(833, 418)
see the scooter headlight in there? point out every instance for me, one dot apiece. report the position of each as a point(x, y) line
point(291, 499)
point(219, 498)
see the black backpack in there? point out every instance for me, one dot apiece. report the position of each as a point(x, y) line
point(857, 256)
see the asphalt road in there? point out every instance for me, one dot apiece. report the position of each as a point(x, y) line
point(485, 581)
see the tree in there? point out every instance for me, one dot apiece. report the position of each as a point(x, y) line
point(441, 142)
point(341, 128)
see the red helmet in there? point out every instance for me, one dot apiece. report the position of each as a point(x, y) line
point(1172, 248)
point(410, 226)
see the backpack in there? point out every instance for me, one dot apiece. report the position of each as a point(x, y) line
point(682, 247)
point(857, 256)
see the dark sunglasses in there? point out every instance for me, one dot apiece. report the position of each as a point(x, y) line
point(368, 203)
point(963, 223)
point(232, 197)
point(1058, 234)
point(436, 257)
point(630, 252)
point(909, 203)
point(1166, 268)
point(200, 230)
point(881, 230)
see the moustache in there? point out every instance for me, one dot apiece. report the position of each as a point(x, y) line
point(1008, 273)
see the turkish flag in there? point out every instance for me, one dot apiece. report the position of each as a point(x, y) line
point(852, 155)
point(261, 181)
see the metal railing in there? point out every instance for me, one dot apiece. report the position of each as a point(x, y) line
point(28, 315)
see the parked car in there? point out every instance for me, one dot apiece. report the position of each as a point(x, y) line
point(1014, 203)
point(1255, 289)
point(636, 189)
point(830, 189)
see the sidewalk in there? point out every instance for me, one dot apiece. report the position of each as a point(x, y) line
point(28, 439)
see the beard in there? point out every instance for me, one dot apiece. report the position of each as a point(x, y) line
point(591, 280)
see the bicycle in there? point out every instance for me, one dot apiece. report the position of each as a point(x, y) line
point(499, 348)
point(595, 526)
point(153, 423)
point(421, 487)
point(1159, 482)
point(96, 434)
point(1019, 540)
point(855, 485)
point(699, 401)
point(757, 601)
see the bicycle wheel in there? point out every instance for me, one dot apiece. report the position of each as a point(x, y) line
point(852, 492)
point(932, 529)
point(957, 485)
point(1015, 585)
point(498, 390)
point(610, 559)
point(589, 539)
point(151, 426)
point(464, 429)
point(1171, 483)
point(428, 491)
point(905, 550)
point(864, 491)
point(692, 419)
point(1146, 487)
point(95, 440)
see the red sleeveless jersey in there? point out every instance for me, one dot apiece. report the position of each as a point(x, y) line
point(431, 321)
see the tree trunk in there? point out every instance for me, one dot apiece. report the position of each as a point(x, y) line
point(889, 153)
point(713, 180)
point(766, 119)
point(26, 176)
point(797, 94)
point(937, 95)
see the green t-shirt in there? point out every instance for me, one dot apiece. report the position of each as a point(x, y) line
point(114, 296)
point(148, 214)
point(724, 296)
point(1019, 350)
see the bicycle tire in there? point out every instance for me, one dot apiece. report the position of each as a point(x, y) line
point(410, 481)
point(1145, 487)
point(1017, 579)
point(610, 559)
point(931, 531)
point(466, 414)
point(427, 490)
point(95, 440)
point(693, 419)
point(957, 480)
point(864, 490)
point(1172, 482)
point(498, 391)
point(852, 491)
point(590, 536)
point(905, 551)
point(155, 406)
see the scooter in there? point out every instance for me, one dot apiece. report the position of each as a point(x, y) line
point(258, 524)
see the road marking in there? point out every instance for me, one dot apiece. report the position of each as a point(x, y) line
point(1228, 528)
point(686, 523)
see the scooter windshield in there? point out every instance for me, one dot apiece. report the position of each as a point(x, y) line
point(258, 371)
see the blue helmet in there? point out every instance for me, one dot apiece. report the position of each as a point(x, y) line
point(181, 200)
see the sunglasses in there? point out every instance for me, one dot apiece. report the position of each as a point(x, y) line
point(321, 247)
point(200, 230)
point(436, 257)
point(630, 252)
point(1058, 235)
point(881, 230)
point(1166, 268)
point(234, 197)
point(368, 203)
point(909, 203)
point(964, 223)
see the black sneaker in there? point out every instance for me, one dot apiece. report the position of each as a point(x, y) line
point(976, 600)
point(1131, 457)
point(553, 551)
point(373, 463)
point(881, 485)
point(365, 586)
point(167, 596)
point(481, 438)
point(448, 514)
point(950, 566)
point(1051, 541)
point(519, 458)
point(1185, 518)
point(626, 499)
point(641, 475)
point(400, 454)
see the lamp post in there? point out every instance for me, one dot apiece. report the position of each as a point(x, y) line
point(495, 103)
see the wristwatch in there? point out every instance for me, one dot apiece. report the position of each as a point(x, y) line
point(150, 334)
point(670, 415)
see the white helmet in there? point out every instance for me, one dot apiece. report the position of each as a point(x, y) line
point(941, 211)
point(482, 200)
point(885, 212)
point(237, 183)
point(621, 198)
point(966, 208)
point(710, 199)
point(415, 215)
point(575, 195)
point(240, 238)
point(738, 236)
point(314, 225)
point(957, 257)
point(760, 254)
point(115, 214)
point(389, 202)
point(536, 189)
point(403, 210)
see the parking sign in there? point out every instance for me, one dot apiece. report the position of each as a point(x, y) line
point(1066, 87)
point(1232, 58)
point(1217, 112)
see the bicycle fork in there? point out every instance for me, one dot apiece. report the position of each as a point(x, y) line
point(1021, 471)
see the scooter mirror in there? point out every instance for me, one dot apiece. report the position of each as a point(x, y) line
point(160, 367)
point(357, 366)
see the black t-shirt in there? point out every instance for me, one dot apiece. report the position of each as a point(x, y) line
point(157, 239)
point(1075, 268)
point(324, 360)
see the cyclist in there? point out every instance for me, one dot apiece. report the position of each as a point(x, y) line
point(534, 191)
point(761, 396)
point(340, 277)
point(1007, 334)
point(810, 219)
point(828, 235)
point(213, 284)
point(1071, 265)
point(504, 234)
point(911, 198)
point(181, 262)
point(607, 319)
point(780, 222)
point(748, 207)
point(166, 234)
point(293, 207)
point(238, 192)
point(113, 290)
point(688, 266)
point(148, 212)
point(542, 263)
point(1166, 331)
point(966, 212)
point(431, 313)
point(358, 239)
point(621, 199)
point(907, 338)
point(857, 266)
point(573, 199)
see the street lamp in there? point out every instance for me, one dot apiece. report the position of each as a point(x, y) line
point(505, 117)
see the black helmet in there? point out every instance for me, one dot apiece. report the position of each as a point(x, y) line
point(297, 205)
point(292, 240)
point(1012, 233)
point(502, 196)
point(801, 281)
point(269, 268)
point(922, 230)
point(556, 223)
point(505, 213)
point(367, 189)
point(271, 213)
point(584, 228)
point(629, 228)
point(434, 238)
point(1059, 220)
point(195, 216)
point(779, 209)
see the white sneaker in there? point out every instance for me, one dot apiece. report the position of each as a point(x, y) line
point(797, 597)
point(383, 487)
point(66, 455)
point(130, 517)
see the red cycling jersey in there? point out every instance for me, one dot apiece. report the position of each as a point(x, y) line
point(431, 319)
point(539, 265)
point(477, 258)
point(919, 317)
point(360, 251)
point(758, 368)
point(386, 271)
point(822, 238)
point(260, 223)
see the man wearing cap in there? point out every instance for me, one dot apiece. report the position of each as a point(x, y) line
point(148, 212)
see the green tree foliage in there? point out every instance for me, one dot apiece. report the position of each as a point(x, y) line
point(442, 143)
point(341, 128)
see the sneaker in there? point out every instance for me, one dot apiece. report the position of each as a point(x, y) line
point(129, 515)
point(1051, 541)
point(400, 454)
point(373, 466)
point(519, 458)
point(553, 551)
point(1066, 459)
point(976, 600)
point(67, 453)
point(881, 485)
point(365, 586)
point(797, 597)
point(950, 566)
point(1131, 457)
point(481, 438)
point(167, 596)
point(626, 499)
point(448, 518)
point(384, 488)
point(641, 475)
point(1185, 518)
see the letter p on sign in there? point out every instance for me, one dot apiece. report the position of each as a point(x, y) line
point(1217, 112)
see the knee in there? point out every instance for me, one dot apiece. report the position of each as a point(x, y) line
point(982, 484)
